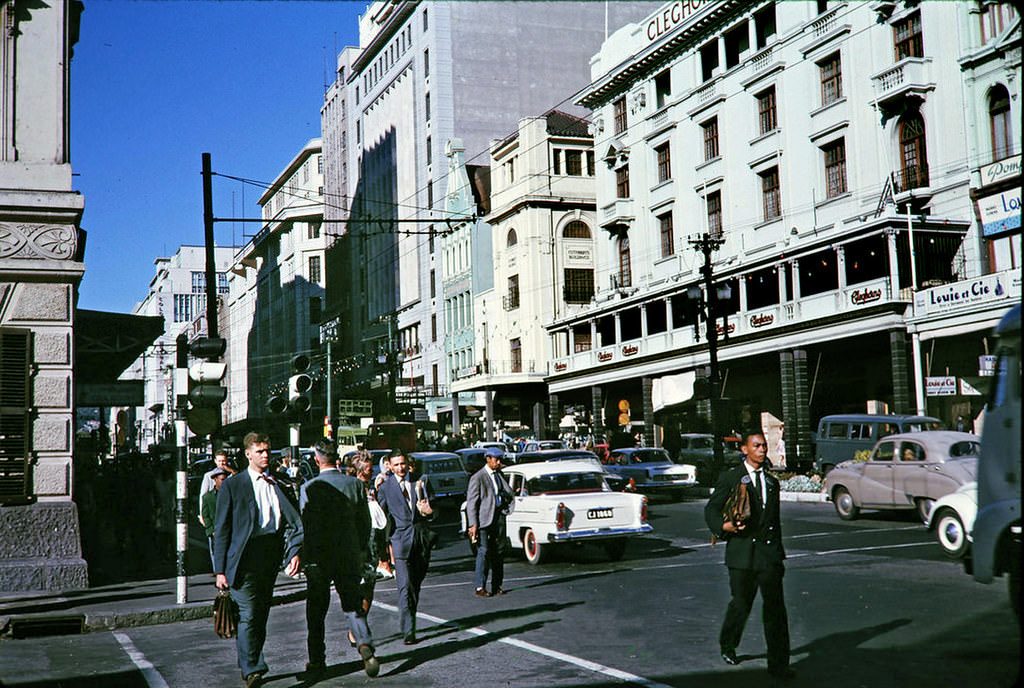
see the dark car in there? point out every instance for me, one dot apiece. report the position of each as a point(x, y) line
point(473, 458)
point(615, 481)
point(653, 471)
point(697, 449)
point(444, 471)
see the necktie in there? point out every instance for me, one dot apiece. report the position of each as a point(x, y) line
point(405, 493)
point(759, 484)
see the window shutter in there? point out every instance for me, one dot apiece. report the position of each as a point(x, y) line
point(15, 477)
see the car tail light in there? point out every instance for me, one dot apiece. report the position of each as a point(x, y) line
point(643, 510)
point(560, 517)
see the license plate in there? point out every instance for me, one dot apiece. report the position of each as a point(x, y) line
point(599, 513)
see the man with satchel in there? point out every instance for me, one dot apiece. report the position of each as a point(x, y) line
point(256, 529)
point(753, 553)
point(487, 499)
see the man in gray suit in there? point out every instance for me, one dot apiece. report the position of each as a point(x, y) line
point(336, 522)
point(256, 529)
point(487, 500)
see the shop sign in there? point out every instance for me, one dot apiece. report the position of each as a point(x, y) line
point(762, 319)
point(967, 389)
point(1000, 213)
point(987, 364)
point(861, 297)
point(1002, 170)
point(578, 255)
point(671, 16)
point(940, 386)
point(604, 356)
point(630, 350)
point(728, 329)
point(560, 366)
point(950, 297)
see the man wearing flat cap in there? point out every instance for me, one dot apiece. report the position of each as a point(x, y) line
point(487, 500)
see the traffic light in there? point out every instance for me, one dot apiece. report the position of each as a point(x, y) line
point(299, 385)
point(205, 392)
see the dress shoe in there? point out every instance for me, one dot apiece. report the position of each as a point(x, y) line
point(370, 663)
point(730, 658)
point(497, 591)
point(480, 592)
point(410, 639)
point(254, 680)
point(351, 639)
point(314, 670)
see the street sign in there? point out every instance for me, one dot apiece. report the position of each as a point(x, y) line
point(355, 407)
point(940, 386)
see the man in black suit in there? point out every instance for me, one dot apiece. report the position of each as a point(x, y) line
point(487, 498)
point(753, 555)
point(336, 526)
point(408, 509)
point(256, 529)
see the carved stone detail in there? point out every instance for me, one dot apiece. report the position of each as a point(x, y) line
point(53, 242)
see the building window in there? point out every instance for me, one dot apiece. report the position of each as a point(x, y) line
point(737, 42)
point(766, 113)
point(433, 284)
point(590, 163)
point(512, 299)
point(430, 193)
point(835, 168)
point(708, 60)
point(625, 269)
point(714, 206)
point(556, 160)
point(993, 20)
point(574, 163)
point(426, 24)
point(764, 25)
point(198, 282)
point(619, 112)
point(667, 239)
point(622, 182)
point(430, 152)
point(433, 327)
point(314, 269)
point(831, 79)
point(517, 355)
point(510, 171)
point(313, 230)
point(426, 107)
point(426, 63)
point(1002, 126)
point(913, 153)
point(430, 238)
point(710, 129)
point(579, 285)
point(359, 131)
point(662, 88)
point(770, 194)
point(16, 415)
point(664, 162)
point(320, 161)
point(222, 283)
point(576, 229)
point(511, 239)
point(907, 37)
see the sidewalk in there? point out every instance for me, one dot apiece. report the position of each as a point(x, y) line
point(123, 605)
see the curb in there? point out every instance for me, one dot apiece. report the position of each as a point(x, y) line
point(807, 497)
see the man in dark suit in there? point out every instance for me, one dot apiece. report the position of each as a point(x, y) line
point(753, 555)
point(487, 498)
point(335, 548)
point(407, 505)
point(256, 529)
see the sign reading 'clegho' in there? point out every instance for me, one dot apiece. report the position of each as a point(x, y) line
point(762, 319)
point(630, 349)
point(861, 296)
point(672, 15)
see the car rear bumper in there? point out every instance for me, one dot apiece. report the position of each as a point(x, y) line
point(666, 485)
point(575, 535)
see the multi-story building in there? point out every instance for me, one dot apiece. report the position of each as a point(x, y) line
point(425, 73)
point(275, 301)
point(542, 229)
point(822, 146)
point(177, 294)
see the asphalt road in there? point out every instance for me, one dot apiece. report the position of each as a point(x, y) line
point(872, 603)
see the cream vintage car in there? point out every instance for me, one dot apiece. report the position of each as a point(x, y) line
point(562, 502)
point(905, 471)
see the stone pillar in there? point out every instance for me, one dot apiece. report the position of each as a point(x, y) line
point(538, 418)
point(802, 450)
point(456, 418)
point(647, 385)
point(489, 415)
point(554, 414)
point(704, 405)
point(598, 409)
point(788, 394)
point(900, 378)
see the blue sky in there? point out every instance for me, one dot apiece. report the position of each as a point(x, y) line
point(154, 85)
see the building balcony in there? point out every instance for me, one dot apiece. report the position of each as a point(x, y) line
point(619, 212)
point(909, 77)
point(510, 301)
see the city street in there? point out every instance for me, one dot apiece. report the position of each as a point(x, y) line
point(871, 603)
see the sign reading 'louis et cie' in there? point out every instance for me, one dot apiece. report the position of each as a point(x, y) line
point(950, 297)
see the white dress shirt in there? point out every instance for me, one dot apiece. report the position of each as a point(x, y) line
point(758, 477)
point(267, 504)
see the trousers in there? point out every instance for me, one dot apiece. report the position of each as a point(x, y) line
point(318, 598)
point(744, 584)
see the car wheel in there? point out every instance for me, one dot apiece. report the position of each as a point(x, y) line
point(924, 507)
point(845, 507)
point(950, 531)
point(532, 548)
point(615, 548)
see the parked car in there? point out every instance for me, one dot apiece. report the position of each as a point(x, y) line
point(444, 472)
point(653, 471)
point(561, 502)
point(473, 458)
point(905, 471)
point(697, 449)
point(539, 445)
point(952, 518)
point(841, 436)
point(619, 483)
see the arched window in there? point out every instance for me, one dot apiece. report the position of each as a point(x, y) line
point(999, 116)
point(913, 153)
point(512, 239)
point(576, 229)
point(625, 270)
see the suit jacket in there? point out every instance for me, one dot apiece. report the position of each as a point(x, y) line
point(482, 507)
point(759, 545)
point(208, 509)
point(335, 523)
point(401, 515)
point(237, 517)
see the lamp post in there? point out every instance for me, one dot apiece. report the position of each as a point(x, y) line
point(707, 244)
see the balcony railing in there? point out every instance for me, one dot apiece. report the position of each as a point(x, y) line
point(911, 75)
point(910, 177)
point(510, 301)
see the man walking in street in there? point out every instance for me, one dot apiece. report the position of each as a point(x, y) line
point(753, 555)
point(408, 507)
point(256, 529)
point(487, 499)
point(336, 526)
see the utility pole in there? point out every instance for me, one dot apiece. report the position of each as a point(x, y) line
point(181, 432)
point(707, 245)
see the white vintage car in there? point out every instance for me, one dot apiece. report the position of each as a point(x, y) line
point(570, 502)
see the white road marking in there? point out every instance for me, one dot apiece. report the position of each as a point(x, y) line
point(149, 672)
point(537, 649)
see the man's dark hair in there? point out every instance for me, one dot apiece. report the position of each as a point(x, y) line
point(327, 449)
point(394, 453)
point(747, 434)
point(255, 438)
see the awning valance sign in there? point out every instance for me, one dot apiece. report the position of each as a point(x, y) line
point(1000, 213)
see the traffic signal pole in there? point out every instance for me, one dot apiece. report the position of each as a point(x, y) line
point(211, 263)
point(181, 483)
point(707, 245)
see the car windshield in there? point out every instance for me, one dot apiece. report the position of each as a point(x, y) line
point(451, 465)
point(650, 456)
point(959, 450)
point(921, 426)
point(701, 443)
point(565, 482)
